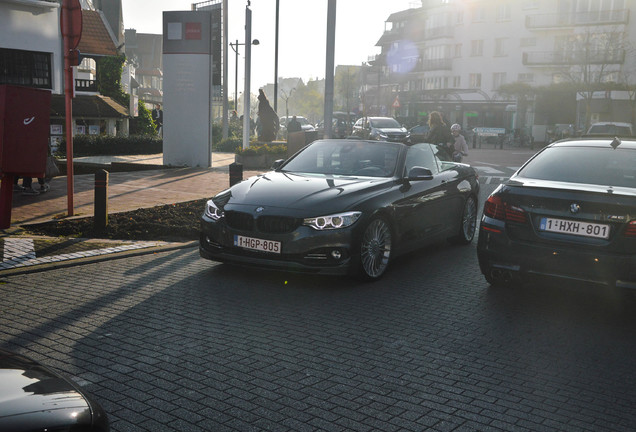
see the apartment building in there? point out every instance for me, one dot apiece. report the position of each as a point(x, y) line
point(454, 56)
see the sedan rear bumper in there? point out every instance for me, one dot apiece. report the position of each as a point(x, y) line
point(496, 252)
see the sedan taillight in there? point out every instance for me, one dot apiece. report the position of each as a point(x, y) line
point(493, 207)
point(496, 208)
point(630, 231)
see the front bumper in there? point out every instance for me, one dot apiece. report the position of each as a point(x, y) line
point(304, 250)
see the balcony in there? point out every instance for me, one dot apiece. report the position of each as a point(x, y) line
point(433, 65)
point(606, 17)
point(86, 85)
point(439, 32)
point(545, 58)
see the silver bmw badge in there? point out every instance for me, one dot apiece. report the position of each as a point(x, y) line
point(259, 209)
point(574, 208)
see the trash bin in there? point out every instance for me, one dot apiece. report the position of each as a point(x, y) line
point(236, 173)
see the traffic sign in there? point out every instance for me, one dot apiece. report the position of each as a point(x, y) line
point(396, 102)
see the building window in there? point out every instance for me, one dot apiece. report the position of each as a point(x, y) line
point(503, 12)
point(474, 80)
point(457, 81)
point(526, 77)
point(500, 47)
point(498, 79)
point(477, 48)
point(479, 14)
point(25, 68)
point(460, 18)
point(458, 50)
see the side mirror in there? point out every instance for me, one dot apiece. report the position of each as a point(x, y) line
point(420, 173)
point(277, 164)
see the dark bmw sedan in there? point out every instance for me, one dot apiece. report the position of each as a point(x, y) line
point(343, 206)
point(35, 398)
point(569, 212)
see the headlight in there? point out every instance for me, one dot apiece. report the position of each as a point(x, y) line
point(379, 134)
point(212, 211)
point(341, 220)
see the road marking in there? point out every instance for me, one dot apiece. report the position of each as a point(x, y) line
point(488, 170)
point(489, 179)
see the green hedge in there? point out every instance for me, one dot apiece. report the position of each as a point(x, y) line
point(103, 145)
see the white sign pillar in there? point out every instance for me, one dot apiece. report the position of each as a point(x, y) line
point(187, 88)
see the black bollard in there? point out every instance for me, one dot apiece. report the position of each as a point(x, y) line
point(101, 200)
point(236, 173)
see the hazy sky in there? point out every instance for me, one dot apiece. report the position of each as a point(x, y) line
point(302, 33)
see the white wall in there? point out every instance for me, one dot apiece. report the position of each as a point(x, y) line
point(33, 25)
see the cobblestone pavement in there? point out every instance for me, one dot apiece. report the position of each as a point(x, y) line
point(172, 342)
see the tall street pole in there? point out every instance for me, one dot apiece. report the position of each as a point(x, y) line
point(331, 47)
point(276, 62)
point(226, 108)
point(248, 70)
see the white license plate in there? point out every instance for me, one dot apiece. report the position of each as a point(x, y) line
point(586, 229)
point(257, 244)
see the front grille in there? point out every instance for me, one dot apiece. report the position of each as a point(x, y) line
point(239, 220)
point(277, 224)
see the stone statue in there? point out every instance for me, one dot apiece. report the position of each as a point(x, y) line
point(268, 123)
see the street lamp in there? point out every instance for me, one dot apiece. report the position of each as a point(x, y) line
point(235, 48)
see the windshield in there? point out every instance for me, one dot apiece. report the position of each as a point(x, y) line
point(348, 158)
point(384, 123)
point(587, 165)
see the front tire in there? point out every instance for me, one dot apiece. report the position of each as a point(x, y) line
point(375, 249)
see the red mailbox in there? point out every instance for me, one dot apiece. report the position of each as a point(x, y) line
point(24, 138)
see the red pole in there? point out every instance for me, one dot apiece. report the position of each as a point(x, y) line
point(6, 198)
point(68, 92)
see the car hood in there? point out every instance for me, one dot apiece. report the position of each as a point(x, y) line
point(392, 130)
point(581, 187)
point(33, 397)
point(305, 193)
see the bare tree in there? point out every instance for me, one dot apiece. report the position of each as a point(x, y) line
point(593, 62)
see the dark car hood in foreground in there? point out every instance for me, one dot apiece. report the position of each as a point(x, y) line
point(33, 397)
point(306, 192)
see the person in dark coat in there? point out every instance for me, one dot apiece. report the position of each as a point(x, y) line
point(294, 125)
point(268, 119)
point(440, 132)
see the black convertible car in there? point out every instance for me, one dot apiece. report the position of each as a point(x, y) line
point(341, 207)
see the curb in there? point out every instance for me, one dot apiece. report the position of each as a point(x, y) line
point(36, 268)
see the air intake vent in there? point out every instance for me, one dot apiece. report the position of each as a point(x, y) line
point(239, 220)
point(277, 224)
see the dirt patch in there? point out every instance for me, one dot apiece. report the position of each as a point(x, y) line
point(172, 222)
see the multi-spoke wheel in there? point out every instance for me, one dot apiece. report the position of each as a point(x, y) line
point(468, 224)
point(375, 249)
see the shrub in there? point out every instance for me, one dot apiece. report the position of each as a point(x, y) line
point(263, 148)
point(102, 145)
point(229, 145)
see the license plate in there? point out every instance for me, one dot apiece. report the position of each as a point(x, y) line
point(585, 229)
point(257, 244)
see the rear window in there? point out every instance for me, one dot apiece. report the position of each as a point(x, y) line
point(587, 165)
point(610, 129)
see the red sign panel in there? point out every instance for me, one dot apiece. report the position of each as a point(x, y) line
point(193, 30)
